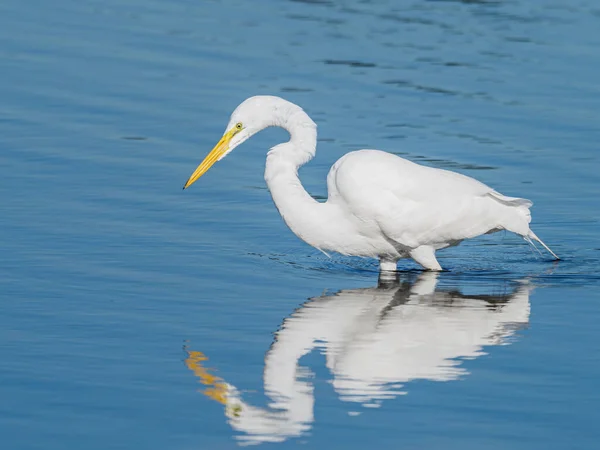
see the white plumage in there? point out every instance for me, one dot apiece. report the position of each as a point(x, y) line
point(379, 205)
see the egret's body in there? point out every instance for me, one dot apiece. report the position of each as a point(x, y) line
point(379, 205)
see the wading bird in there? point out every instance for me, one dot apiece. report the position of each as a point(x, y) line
point(379, 205)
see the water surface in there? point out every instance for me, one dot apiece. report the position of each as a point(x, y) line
point(125, 299)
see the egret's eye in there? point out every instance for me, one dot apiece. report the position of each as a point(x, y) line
point(239, 126)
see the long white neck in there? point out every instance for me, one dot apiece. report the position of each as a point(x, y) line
point(307, 218)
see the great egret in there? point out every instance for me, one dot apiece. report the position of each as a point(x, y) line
point(379, 205)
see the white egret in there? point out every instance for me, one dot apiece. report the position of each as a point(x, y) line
point(379, 205)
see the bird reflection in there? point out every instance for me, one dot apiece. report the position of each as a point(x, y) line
point(376, 340)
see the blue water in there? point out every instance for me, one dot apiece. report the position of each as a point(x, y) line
point(131, 310)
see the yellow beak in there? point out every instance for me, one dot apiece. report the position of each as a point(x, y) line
point(214, 155)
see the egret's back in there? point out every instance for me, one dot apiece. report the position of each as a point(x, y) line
point(416, 205)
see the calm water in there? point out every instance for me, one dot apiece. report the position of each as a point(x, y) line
point(132, 311)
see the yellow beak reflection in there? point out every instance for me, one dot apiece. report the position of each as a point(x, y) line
point(214, 155)
point(217, 388)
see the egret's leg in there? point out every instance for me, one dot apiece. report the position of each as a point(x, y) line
point(425, 255)
point(387, 265)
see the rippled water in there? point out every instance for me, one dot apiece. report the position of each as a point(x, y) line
point(135, 315)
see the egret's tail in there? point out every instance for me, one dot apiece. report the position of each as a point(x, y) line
point(516, 217)
point(532, 235)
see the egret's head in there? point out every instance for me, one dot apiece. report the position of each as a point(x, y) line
point(251, 116)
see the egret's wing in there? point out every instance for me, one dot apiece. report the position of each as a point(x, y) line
point(412, 204)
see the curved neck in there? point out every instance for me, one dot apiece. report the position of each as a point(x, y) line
point(306, 217)
point(302, 145)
